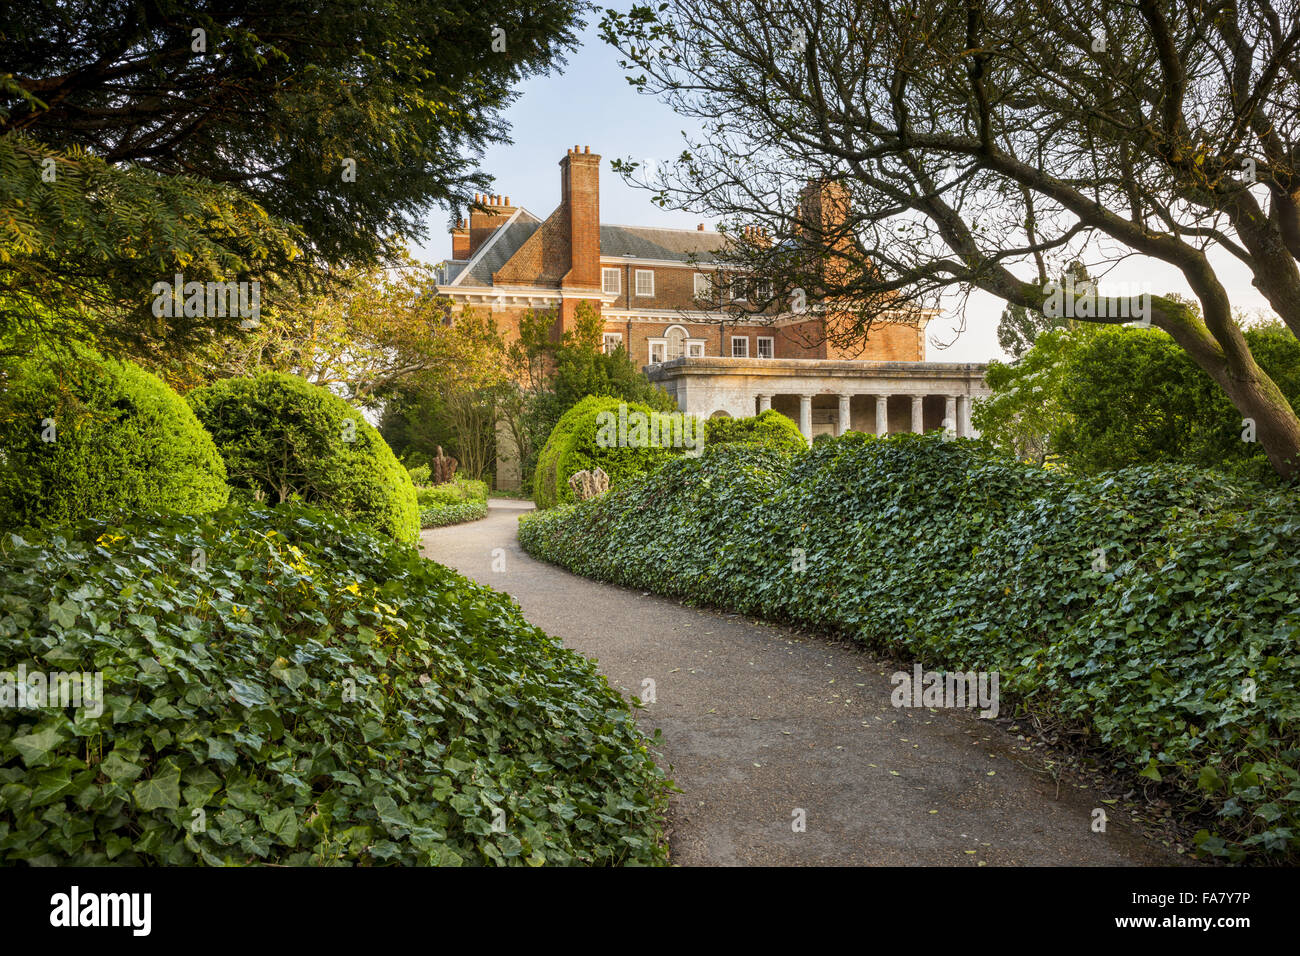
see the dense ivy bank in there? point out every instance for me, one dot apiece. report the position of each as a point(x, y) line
point(283, 686)
point(1154, 609)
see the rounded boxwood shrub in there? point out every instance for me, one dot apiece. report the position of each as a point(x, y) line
point(83, 435)
point(769, 428)
point(283, 437)
point(626, 439)
point(309, 693)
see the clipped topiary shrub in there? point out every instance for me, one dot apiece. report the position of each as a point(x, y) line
point(282, 437)
point(626, 439)
point(83, 435)
point(770, 429)
point(1150, 611)
point(309, 694)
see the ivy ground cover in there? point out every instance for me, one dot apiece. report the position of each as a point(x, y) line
point(280, 685)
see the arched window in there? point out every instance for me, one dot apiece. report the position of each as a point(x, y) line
point(676, 343)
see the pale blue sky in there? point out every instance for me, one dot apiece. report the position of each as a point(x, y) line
point(591, 104)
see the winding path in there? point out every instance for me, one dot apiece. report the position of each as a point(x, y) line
point(759, 722)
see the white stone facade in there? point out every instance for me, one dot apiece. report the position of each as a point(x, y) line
point(824, 395)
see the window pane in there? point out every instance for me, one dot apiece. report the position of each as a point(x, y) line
point(676, 344)
point(610, 277)
point(645, 282)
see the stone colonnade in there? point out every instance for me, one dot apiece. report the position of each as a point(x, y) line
point(829, 396)
point(956, 417)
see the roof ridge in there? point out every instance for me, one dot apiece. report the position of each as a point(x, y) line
point(624, 225)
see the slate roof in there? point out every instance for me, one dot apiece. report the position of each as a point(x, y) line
point(649, 242)
point(504, 243)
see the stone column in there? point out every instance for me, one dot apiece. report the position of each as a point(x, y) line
point(882, 414)
point(843, 425)
point(963, 416)
point(764, 403)
point(918, 414)
point(950, 416)
point(805, 416)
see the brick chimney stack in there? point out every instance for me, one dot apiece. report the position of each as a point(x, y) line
point(580, 201)
point(485, 221)
point(580, 194)
point(824, 206)
point(460, 240)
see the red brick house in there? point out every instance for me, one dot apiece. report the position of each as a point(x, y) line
point(657, 291)
point(654, 287)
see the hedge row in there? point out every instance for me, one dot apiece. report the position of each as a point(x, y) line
point(1154, 609)
point(441, 516)
point(769, 429)
point(281, 686)
point(455, 492)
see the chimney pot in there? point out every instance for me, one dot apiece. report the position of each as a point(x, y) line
point(586, 149)
point(507, 200)
point(700, 227)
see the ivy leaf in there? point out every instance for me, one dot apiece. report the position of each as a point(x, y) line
point(35, 747)
point(63, 613)
point(282, 824)
point(159, 793)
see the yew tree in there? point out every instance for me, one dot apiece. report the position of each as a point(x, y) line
point(980, 144)
point(249, 140)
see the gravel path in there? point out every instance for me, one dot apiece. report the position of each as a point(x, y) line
point(760, 722)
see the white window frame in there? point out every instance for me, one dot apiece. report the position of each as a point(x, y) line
point(771, 346)
point(738, 282)
point(638, 274)
point(612, 342)
point(605, 273)
point(707, 291)
point(734, 340)
point(762, 290)
point(692, 347)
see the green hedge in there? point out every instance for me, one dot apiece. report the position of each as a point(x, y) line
point(769, 428)
point(281, 686)
point(1138, 607)
point(576, 441)
point(457, 491)
point(441, 516)
point(282, 437)
point(122, 439)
